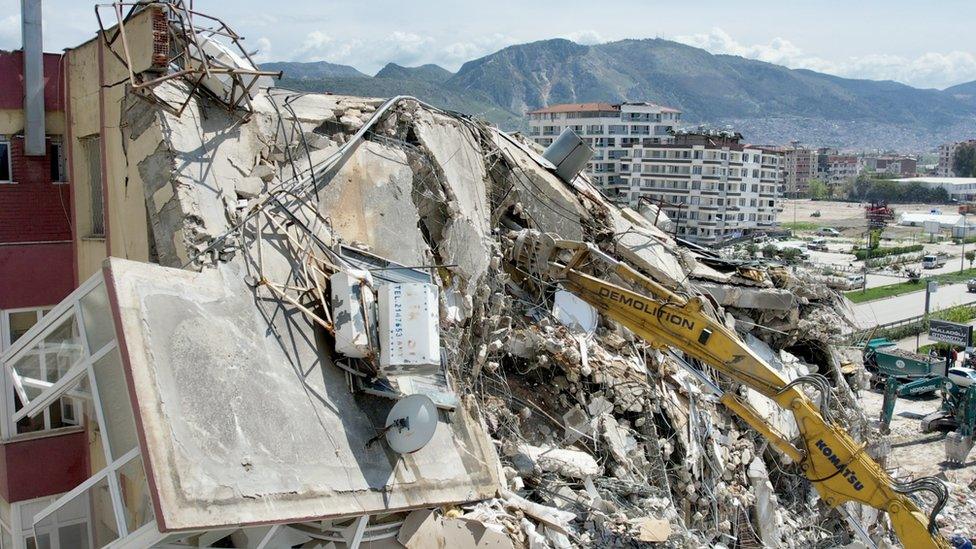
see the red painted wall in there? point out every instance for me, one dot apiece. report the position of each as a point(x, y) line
point(35, 275)
point(33, 209)
point(24, 474)
point(12, 81)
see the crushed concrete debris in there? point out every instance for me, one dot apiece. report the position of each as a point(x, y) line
point(604, 441)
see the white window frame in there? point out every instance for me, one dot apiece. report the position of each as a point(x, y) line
point(10, 161)
point(72, 404)
point(5, 322)
point(71, 306)
point(20, 535)
point(20, 348)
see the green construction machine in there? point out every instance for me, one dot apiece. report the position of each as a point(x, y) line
point(911, 374)
point(956, 416)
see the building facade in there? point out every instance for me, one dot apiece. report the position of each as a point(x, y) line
point(35, 220)
point(615, 131)
point(834, 168)
point(799, 166)
point(904, 166)
point(44, 455)
point(946, 152)
point(713, 187)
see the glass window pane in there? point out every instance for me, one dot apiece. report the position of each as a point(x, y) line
point(29, 366)
point(135, 494)
point(73, 535)
point(97, 504)
point(113, 393)
point(20, 322)
point(99, 327)
point(69, 410)
point(61, 349)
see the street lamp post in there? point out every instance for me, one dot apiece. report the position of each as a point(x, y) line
point(930, 287)
point(965, 233)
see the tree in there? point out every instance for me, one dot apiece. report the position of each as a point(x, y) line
point(970, 257)
point(769, 251)
point(861, 186)
point(791, 255)
point(964, 160)
point(752, 249)
point(818, 189)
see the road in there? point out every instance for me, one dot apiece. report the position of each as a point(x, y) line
point(893, 309)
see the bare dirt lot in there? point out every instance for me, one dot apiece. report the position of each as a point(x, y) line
point(848, 217)
point(914, 454)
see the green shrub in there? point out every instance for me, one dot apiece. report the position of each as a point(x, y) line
point(881, 252)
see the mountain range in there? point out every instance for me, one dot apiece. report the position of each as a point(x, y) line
point(768, 103)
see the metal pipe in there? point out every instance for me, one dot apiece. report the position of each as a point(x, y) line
point(33, 51)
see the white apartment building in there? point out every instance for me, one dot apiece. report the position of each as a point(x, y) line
point(712, 187)
point(613, 130)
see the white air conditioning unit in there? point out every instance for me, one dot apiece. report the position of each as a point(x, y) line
point(409, 329)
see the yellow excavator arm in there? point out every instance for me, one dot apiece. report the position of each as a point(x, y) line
point(834, 463)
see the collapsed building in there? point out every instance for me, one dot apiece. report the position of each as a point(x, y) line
point(237, 390)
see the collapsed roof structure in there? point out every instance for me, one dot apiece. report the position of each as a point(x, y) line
point(246, 425)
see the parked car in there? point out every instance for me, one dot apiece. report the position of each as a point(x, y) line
point(971, 285)
point(828, 231)
point(817, 244)
point(855, 281)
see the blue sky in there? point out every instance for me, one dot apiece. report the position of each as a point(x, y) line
point(925, 44)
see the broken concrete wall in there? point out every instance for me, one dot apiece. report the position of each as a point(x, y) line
point(427, 188)
point(245, 425)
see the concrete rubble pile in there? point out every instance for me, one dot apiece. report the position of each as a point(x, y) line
point(603, 440)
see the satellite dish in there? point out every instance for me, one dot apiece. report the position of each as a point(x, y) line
point(411, 424)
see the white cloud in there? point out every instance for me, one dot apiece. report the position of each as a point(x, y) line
point(586, 37)
point(932, 69)
point(403, 48)
point(264, 50)
point(458, 53)
point(10, 32)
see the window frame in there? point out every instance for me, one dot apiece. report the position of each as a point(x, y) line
point(23, 535)
point(61, 161)
point(4, 140)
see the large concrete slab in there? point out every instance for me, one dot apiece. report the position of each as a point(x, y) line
point(235, 431)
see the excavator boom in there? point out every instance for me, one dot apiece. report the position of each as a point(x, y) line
point(835, 463)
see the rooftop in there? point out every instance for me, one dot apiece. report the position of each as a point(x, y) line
point(576, 107)
point(938, 180)
point(649, 104)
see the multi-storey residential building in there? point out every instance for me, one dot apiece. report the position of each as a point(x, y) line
point(800, 166)
point(893, 165)
point(946, 152)
point(47, 454)
point(713, 187)
point(834, 168)
point(710, 184)
point(614, 131)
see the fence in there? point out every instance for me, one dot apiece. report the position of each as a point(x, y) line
point(890, 329)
